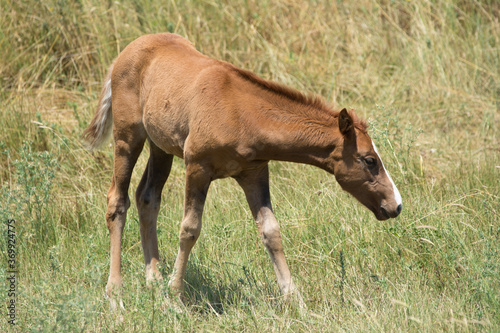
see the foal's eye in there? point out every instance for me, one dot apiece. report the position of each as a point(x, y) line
point(370, 161)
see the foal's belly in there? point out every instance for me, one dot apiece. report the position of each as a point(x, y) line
point(166, 130)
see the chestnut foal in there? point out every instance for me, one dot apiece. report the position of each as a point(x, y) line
point(224, 122)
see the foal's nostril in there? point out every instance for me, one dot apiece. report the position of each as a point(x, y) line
point(399, 209)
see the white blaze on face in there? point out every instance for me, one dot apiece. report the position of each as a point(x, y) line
point(397, 196)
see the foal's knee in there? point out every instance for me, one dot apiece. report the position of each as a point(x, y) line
point(148, 205)
point(144, 197)
point(271, 237)
point(190, 232)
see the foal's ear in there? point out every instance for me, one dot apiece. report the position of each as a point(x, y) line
point(345, 122)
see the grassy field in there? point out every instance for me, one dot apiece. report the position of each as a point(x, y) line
point(426, 74)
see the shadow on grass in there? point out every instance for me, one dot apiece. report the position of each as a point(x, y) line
point(210, 288)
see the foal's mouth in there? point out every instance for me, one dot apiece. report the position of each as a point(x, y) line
point(380, 213)
point(384, 214)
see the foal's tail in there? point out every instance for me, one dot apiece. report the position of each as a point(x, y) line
point(100, 126)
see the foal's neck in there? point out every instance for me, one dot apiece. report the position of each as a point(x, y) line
point(290, 125)
point(298, 131)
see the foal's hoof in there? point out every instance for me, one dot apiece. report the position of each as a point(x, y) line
point(116, 308)
point(174, 303)
point(294, 300)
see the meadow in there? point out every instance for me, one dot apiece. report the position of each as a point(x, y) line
point(426, 76)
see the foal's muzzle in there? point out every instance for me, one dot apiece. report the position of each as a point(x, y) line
point(385, 214)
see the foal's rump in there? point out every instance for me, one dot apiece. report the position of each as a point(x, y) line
point(188, 104)
point(150, 85)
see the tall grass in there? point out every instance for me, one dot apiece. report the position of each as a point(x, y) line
point(424, 73)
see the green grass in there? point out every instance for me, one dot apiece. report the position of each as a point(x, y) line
point(424, 73)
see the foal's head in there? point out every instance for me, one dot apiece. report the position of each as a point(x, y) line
point(360, 171)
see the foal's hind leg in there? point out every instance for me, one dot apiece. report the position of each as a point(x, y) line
point(148, 199)
point(129, 142)
point(255, 183)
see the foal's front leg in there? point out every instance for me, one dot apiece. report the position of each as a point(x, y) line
point(197, 183)
point(255, 183)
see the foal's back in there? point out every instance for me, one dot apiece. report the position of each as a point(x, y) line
point(169, 87)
